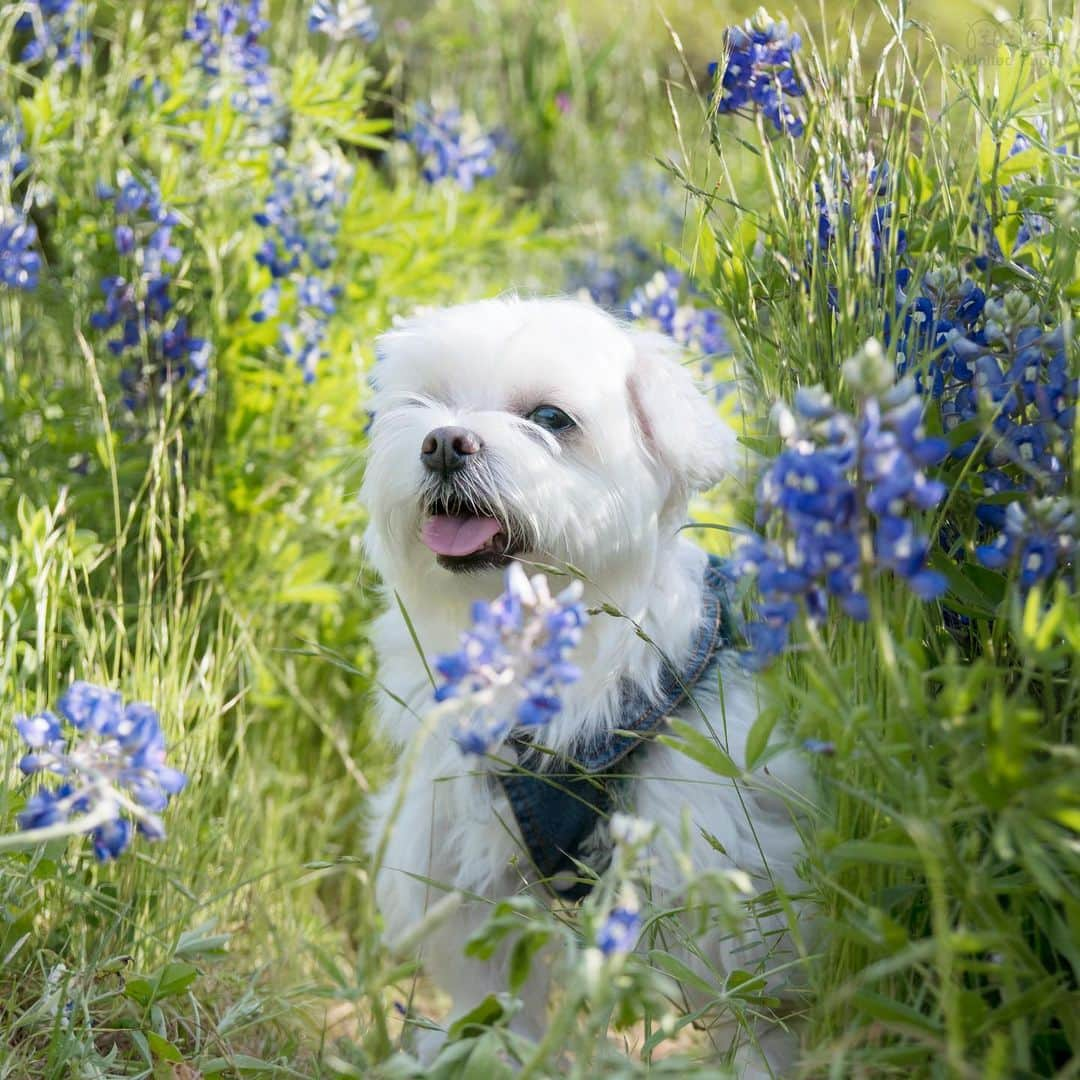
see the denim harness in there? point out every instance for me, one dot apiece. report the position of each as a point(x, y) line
point(559, 809)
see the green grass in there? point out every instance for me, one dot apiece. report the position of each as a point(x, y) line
point(207, 558)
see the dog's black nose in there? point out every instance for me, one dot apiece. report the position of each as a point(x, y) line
point(446, 449)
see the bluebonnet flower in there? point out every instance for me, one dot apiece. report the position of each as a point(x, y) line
point(656, 302)
point(758, 72)
point(162, 346)
point(700, 330)
point(822, 747)
point(228, 34)
point(995, 366)
point(603, 284)
point(929, 325)
point(343, 19)
point(1001, 375)
point(666, 304)
point(619, 932)
point(1038, 539)
point(13, 158)
point(833, 198)
point(58, 33)
point(607, 280)
point(452, 146)
point(20, 264)
point(301, 218)
point(303, 341)
point(511, 663)
point(840, 496)
point(112, 761)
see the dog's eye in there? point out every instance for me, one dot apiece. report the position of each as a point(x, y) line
point(550, 418)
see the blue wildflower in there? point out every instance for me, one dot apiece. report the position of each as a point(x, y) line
point(840, 498)
point(13, 158)
point(996, 368)
point(58, 33)
point(113, 762)
point(228, 34)
point(303, 341)
point(601, 281)
point(20, 265)
point(340, 20)
point(452, 146)
point(608, 279)
point(656, 302)
point(510, 665)
point(665, 303)
point(758, 73)
point(1038, 539)
point(164, 350)
point(620, 930)
point(833, 200)
point(301, 217)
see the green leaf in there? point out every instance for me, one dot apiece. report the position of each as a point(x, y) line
point(174, 978)
point(678, 970)
point(703, 749)
point(521, 956)
point(488, 1059)
point(870, 851)
point(894, 1011)
point(162, 1048)
point(758, 738)
point(488, 1012)
point(201, 940)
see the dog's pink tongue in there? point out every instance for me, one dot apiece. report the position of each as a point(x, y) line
point(447, 535)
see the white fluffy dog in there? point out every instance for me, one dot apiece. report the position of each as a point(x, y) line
point(546, 430)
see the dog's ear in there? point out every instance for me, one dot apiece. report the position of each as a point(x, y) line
point(679, 426)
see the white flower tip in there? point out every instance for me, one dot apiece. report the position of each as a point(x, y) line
point(571, 594)
point(518, 584)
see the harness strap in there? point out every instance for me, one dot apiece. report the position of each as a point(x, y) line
point(559, 809)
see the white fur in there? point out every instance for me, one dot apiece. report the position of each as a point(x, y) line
point(609, 500)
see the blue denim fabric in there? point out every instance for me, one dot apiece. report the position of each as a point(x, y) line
point(558, 809)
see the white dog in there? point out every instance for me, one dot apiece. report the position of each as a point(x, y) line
point(548, 431)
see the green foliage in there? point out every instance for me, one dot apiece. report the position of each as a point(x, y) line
point(945, 851)
point(205, 554)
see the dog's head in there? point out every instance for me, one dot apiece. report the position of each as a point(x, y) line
point(535, 428)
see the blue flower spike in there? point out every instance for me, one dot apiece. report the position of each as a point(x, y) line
point(20, 264)
point(112, 759)
point(758, 73)
point(228, 34)
point(341, 20)
point(301, 220)
point(57, 34)
point(659, 305)
point(512, 661)
point(452, 146)
point(619, 932)
point(160, 347)
point(840, 497)
point(1037, 539)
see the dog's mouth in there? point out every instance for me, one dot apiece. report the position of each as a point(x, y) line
point(465, 538)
